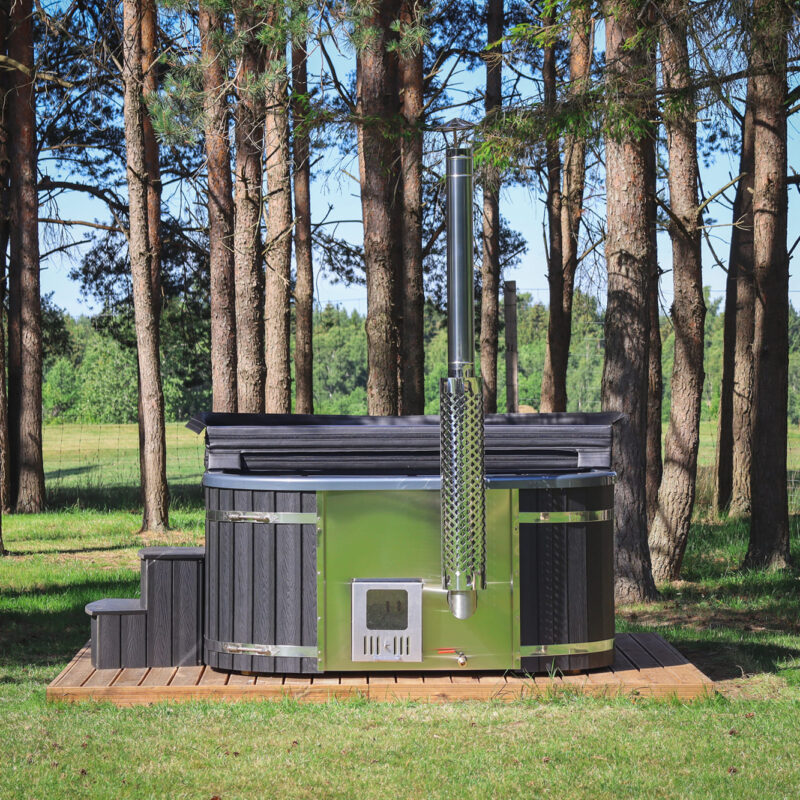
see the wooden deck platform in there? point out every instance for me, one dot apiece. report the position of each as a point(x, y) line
point(645, 666)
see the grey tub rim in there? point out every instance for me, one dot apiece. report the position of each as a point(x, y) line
point(354, 483)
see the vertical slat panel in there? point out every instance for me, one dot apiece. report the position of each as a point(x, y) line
point(263, 582)
point(212, 578)
point(288, 557)
point(560, 581)
point(243, 580)
point(185, 613)
point(576, 572)
point(225, 579)
point(108, 641)
point(308, 503)
point(133, 635)
point(159, 613)
point(94, 652)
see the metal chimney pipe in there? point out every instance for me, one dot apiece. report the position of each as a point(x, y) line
point(463, 500)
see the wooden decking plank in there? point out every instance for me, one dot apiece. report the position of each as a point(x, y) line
point(188, 676)
point(239, 679)
point(158, 676)
point(82, 657)
point(649, 668)
point(212, 677)
point(644, 664)
point(102, 677)
point(132, 676)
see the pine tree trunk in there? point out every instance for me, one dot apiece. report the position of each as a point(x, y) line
point(654, 402)
point(248, 256)
point(304, 282)
point(559, 329)
point(655, 379)
point(554, 376)
point(412, 355)
point(220, 210)
point(149, 57)
point(741, 264)
point(154, 477)
point(628, 260)
point(277, 311)
point(490, 261)
point(670, 530)
point(5, 211)
point(376, 150)
point(25, 314)
point(769, 527)
point(734, 456)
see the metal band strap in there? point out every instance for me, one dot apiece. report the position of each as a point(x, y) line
point(263, 517)
point(276, 650)
point(572, 649)
point(561, 517)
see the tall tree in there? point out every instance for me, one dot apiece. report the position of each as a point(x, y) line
point(490, 262)
point(248, 256)
point(154, 478)
point(25, 313)
point(561, 281)
point(769, 526)
point(742, 255)
point(734, 440)
point(5, 211)
point(628, 261)
point(278, 250)
point(376, 107)
point(412, 106)
point(670, 530)
point(220, 208)
point(304, 281)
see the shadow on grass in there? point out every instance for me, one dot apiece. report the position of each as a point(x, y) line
point(58, 474)
point(118, 498)
point(722, 660)
point(37, 636)
point(72, 551)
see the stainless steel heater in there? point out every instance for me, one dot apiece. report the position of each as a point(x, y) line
point(463, 492)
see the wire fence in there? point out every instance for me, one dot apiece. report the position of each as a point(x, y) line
point(88, 465)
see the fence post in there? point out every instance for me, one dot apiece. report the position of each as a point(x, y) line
point(510, 318)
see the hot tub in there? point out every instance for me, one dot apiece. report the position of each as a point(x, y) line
point(312, 567)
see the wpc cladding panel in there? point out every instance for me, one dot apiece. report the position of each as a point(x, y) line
point(566, 576)
point(261, 580)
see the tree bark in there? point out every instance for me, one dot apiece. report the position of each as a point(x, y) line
point(5, 164)
point(741, 263)
point(734, 451)
point(248, 257)
point(654, 398)
point(25, 313)
point(490, 261)
point(655, 379)
point(769, 526)
point(278, 256)
point(628, 260)
point(670, 531)
point(154, 477)
point(376, 108)
point(561, 280)
point(412, 353)
point(220, 210)
point(149, 57)
point(304, 282)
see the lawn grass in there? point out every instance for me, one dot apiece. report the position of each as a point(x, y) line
point(742, 628)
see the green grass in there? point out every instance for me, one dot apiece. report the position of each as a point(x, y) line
point(743, 628)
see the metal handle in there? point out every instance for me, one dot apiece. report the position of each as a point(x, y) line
point(263, 517)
